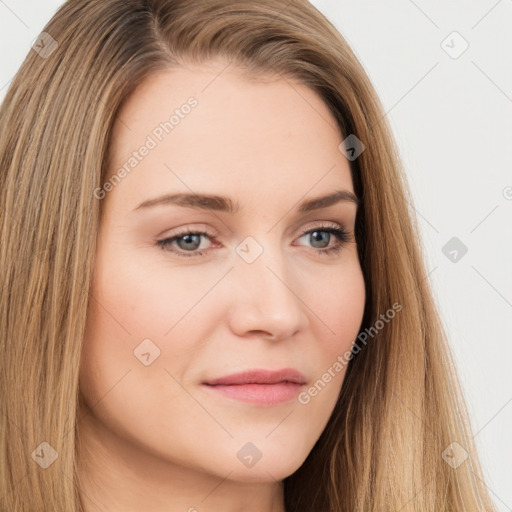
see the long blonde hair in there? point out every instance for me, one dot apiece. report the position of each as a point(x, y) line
point(400, 407)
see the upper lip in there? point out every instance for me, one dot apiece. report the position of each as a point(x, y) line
point(260, 376)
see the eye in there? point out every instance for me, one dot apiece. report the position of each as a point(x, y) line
point(322, 235)
point(189, 241)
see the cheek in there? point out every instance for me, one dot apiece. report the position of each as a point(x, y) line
point(133, 315)
point(337, 308)
point(132, 301)
point(146, 298)
point(132, 398)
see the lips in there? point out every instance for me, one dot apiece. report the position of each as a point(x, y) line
point(258, 376)
point(264, 388)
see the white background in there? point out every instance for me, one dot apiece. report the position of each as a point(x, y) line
point(452, 119)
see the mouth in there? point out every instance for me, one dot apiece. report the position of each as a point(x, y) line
point(259, 387)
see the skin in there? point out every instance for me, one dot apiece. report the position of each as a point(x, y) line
point(152, 437)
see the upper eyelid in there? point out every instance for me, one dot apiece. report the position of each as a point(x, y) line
point(214, 233)
point(319, 225)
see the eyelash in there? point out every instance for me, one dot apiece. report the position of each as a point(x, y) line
point(342, 236)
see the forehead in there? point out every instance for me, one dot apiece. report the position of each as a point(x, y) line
point(210, 127)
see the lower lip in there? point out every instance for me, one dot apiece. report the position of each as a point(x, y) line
point(259, 394)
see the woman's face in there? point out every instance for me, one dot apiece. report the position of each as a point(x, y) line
point(253, 293)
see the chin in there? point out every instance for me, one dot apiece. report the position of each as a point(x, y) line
point(270, 462)
point(263, 473)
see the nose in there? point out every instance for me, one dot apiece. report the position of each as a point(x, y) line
point(266, 301)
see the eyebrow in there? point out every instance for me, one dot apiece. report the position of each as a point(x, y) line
point(225, 204)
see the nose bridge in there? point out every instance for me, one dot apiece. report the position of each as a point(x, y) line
point(267, 300)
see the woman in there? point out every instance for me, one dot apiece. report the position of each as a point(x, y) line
point(214, 296)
